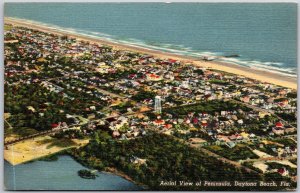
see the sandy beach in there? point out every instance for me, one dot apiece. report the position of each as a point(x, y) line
point(32, 149)
point(261, 75)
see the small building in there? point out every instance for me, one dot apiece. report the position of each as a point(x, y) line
point(283, 171)
point(278, 130)
point(153, 77)
point(116, 133)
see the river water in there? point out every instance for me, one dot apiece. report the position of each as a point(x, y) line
point(59, 175)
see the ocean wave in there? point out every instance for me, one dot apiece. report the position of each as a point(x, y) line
point(276, 67)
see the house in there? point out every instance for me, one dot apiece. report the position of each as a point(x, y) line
point(245, 99)
point(198, 97)
point(223, 113)
point(278, 130)
point(279, 125)
point(252, 135)
point(245, 135)
point(204, 123)
point(138, 161)
point(283, 171)
point(159, 122)
point(263, 114)
point(223, 138)
point(195, 121)
point(153, 77)
point(91, 116)
point(10, 41)
point(235, 118)
point(30, 108)
point(235, 137)
point(270, 100)
point(285, 102)
point(240, 121)
point(168, 126)
point(136, 133)
point(116, 133)
point(123, 137)
point(54, 125)
point(282, 92)
point(230, 144)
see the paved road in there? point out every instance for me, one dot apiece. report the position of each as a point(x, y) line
point(221, 158)
point(269, 159)
point(225, 160)
point(48, 132)
point(28, 137)
point(8, 123)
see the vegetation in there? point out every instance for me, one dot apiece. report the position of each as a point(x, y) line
point(292, 95)
point(19, 99)
point(87, 174)
point(166, 159)
point(286, 142)
point(289, 117)
point(7, 27)
point(217, 81)
point(142, 95)
point(58, 142)
point(210, 107)
point(275, 165)
point(239, 152)
point(53, 157)
point(21, 131)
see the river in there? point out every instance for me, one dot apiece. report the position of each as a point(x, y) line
point(59, 175)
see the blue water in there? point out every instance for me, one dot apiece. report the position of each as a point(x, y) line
point(264, 34)
point(59, 175)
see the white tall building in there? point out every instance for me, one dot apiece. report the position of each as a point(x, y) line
point(157, 105)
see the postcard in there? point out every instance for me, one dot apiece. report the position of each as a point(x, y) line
point(150, 96)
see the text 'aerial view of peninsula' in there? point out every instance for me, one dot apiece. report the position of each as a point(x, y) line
point(150, 96)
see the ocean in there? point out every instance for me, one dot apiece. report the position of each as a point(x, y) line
point(264, 35)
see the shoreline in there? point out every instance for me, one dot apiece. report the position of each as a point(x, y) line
point(107, 169)
point(115, 171)
point(257, 74)
point(32, 149)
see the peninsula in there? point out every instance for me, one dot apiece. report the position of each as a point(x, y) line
point(148, 116)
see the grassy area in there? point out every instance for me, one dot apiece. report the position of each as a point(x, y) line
point(20, 131)
point(274, 165)
point(294, 161)
point(285, 142)
point(58, 142)
point(239, 152)
point(220, 82)
point(7, 27)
